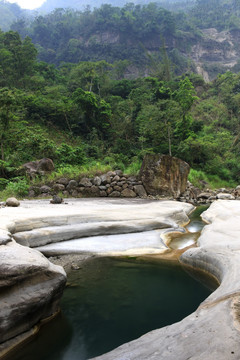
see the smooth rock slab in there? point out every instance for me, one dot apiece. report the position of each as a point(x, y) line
point(53, 234)
point(31, 288)
point(38, 214)
point(148, 242)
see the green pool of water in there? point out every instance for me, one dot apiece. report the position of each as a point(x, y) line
point(110, 302)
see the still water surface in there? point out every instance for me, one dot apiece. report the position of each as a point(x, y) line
point(110, 302)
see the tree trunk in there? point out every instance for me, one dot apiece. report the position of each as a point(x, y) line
point(169, 141)
point(2, 149)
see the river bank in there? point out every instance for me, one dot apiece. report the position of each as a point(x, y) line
point(143, 224)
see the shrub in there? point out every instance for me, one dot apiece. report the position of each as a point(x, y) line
point(66, 154)
point(17, 188)
point(3, 183)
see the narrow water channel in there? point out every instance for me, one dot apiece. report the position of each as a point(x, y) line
point(193, 229)
point(110, 302)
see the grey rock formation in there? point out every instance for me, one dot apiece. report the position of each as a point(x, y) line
point(97, 181)
point(140, 191)
point(72, 185)
point(56, 200)
point(105, 178)
point(119, 172)
point(42, 167)
point(128, 193)
point(40, 225)
point(63, 181)
point(31, 288)
point(58, 187)
point(115, 193)
point(12, 202)
point(45, 189)
point(225, 196)
point(32, 285)
point(85, 182)
point(164, 175)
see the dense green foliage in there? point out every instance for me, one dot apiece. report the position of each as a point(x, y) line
point(70, 96)
point(10, 13)
point(82, 113)
point(50, 5)
point(134, 33)
point(222, 15)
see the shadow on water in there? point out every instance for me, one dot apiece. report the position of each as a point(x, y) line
point(109, 302)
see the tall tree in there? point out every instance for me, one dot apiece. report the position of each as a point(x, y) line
point(8, 104)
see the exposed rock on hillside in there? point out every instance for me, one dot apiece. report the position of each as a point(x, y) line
point(215, 51)
point(41, 167)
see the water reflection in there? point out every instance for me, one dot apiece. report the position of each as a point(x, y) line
point(194, 228)
point(111, 302)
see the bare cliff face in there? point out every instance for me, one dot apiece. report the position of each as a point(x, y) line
point(211, 53)
point(216, 52)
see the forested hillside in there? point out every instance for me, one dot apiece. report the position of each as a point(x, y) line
point(9, 13)
point(86, 113)
point(50, 5)
point(105, 87)
point(131, 33)
point(204, 38)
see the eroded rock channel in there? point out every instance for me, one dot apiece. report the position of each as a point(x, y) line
point(215, 322)
point(109, 302)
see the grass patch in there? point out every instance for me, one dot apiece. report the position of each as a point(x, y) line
point(17, 188)
point(91, 169)
point(75, 172)
point(202, 180)
point(133, 168)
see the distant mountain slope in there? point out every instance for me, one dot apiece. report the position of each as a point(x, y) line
point(8, 14)
point(204, 39)
point(50, 5)
point(133, 33)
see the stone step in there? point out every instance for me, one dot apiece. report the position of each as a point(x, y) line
point(52, 234)
point(147, 242)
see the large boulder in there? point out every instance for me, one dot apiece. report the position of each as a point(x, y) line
point(41, 167)
point(164, 175)
point(31, 288)
point(13, 202)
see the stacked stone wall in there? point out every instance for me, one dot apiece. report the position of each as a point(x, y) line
point(112, 184)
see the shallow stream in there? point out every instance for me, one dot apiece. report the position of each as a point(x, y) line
point(193, 229)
